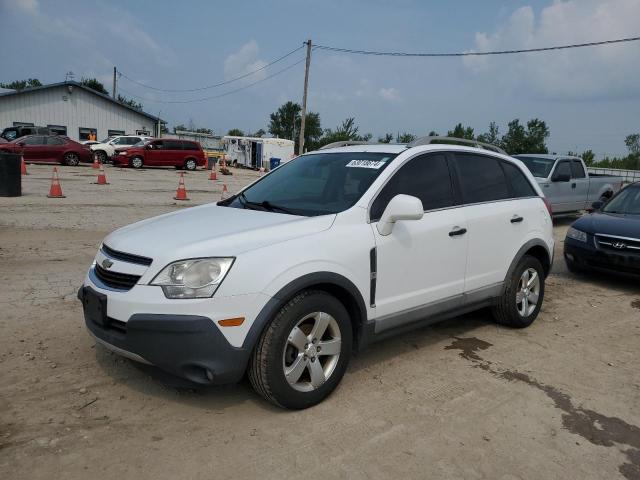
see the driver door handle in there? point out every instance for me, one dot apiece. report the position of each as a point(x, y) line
point(457, 231)
point(516, 219)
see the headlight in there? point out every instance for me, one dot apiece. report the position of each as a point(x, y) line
point(576, 234)
point(122, 153)
point(194, 278)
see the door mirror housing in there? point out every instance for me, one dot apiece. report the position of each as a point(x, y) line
point(21, 144)
point(401, 207)
point(596, 206)
point(561, 177)
point(149, 147)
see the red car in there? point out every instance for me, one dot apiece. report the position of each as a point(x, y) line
point(49, 149)
point(162, 153)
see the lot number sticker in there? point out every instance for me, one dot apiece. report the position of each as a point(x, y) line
point(365, 164)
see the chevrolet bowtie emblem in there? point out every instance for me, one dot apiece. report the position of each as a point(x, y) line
point(106, 263)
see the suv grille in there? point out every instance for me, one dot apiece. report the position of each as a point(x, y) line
point(126, 257)
point(617, 244)
point(120, 281)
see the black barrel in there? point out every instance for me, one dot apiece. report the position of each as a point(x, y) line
point(10, 178)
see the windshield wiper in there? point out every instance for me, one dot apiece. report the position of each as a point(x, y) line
point(264, 205)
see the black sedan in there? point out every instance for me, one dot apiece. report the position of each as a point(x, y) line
point(609, 237)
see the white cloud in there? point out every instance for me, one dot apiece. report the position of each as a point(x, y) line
point(245, 61)
point(24, 6)
point(590, 72)
point(390, 94)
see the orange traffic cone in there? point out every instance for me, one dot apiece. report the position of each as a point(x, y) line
point(23, 167)
point(181, 193)
point(225, 191)
point(212, 175)
point(102, 178)
point(96, 164)
point(56, 190)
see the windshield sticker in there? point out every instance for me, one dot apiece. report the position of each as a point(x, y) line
point(365, 164)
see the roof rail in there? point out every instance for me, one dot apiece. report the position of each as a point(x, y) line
point(454, 140)
point(345, 143)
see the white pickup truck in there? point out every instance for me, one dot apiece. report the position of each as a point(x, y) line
point(566, 182)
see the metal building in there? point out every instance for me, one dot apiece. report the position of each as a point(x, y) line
point(71, 109)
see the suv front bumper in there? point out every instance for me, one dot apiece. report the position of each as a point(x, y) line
point(191, 347)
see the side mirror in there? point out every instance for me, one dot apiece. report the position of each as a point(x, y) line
point(149, 147)
point(596, 206)
point(401, 207)
point(21, 144)
point(561, 177)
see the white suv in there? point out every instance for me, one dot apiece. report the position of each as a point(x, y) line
point(107, 148)
point(334, 250)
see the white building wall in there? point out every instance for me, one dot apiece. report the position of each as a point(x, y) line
point(80, 108)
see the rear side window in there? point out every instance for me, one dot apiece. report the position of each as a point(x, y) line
point(481, 178)
point(426, 177)
point(520, 186)
point(172, 145)
point(577, 170)
point(190, 146)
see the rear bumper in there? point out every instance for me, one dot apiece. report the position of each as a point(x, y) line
point(186, 346)
point(586, 255)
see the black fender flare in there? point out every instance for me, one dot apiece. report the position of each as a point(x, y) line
point(287, 292)
point(535, 242)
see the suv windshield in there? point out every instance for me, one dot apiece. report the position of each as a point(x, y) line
point(626, 202)
point(538, 166)
point(314, 184)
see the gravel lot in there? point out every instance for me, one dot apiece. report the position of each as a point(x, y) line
point(462, 399)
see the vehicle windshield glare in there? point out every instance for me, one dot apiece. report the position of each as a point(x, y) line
point(626, 202)
point(314, 184)
point(538, 166)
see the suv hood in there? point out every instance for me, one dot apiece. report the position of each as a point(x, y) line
point(210, 230)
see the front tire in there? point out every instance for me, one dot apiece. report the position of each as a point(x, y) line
point(303, 353)
point(522, 297)
point(101, 156)
point(137, 162)
point(71, 159)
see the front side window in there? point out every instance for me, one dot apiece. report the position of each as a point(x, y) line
point(426, 177)
point(173, 145)
point(314, 184)
point(577, 170)
point(158, 145)
point(481, 178)
point(520, 186)
point(563, 168)
point(54, 141)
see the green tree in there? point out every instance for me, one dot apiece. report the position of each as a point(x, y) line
point(259, 134)
point(129, 102)
point(633, 143)
point(405, 137)
point(588, 157)
point(208, 131)
point(236, 132)
point(285, 122)
point(94, 84)
point(459, 131)
point(433, 133)
point(179, 128)
point(22, 84)
point(492, 136)
point(529, 140)
point(388, 137)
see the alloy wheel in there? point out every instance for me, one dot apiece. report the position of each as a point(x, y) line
point(528, 292)
point(312, 351)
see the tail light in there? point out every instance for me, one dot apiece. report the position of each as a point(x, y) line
point(547, 204)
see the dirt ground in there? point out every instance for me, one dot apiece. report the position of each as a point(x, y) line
point(463, 399)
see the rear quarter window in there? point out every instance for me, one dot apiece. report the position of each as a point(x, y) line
point(520, 186)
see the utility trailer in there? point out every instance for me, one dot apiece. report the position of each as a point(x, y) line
point(256, 153)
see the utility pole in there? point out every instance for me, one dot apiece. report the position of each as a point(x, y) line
point(115, 73)
point(304, 99)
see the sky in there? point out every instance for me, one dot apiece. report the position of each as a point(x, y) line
point(590, 97)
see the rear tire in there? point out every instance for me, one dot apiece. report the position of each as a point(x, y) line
point(303, 353)
point(190, 164)
point(521, 299)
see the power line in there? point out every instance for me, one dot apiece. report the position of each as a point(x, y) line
point(230, 92)
point(474, 54)
point(226, 82)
